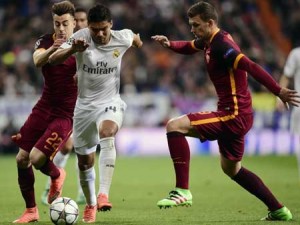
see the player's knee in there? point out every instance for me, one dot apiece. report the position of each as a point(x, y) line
point(172, 125)
point(84, 166)
point(66, 150)
point(104, 133)
point(37, 160)
point(22, 161)
point(230, 171)
point(85, 162)
point(227, 172)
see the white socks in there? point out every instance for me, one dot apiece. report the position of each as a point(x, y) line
point(107, 160)
point(87, 181)
point(60, 160)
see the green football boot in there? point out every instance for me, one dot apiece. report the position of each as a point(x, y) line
point(177, 197)
point(282, 214)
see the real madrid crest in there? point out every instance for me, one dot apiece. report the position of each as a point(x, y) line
point(116, 53)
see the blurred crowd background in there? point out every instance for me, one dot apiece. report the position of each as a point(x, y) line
point(156, 83)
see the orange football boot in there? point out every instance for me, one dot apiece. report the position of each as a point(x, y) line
point(30, 215)
point(56, 186)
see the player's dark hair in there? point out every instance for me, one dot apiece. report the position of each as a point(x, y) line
point(99, 13)
point(205, 10)
point(80, 9)
point(64, 7)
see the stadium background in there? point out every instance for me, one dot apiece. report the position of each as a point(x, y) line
point(157, 84)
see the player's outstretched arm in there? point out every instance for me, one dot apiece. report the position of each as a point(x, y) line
point(41, 55)
point(181, 47)
point(286, 95)
point(59, 56)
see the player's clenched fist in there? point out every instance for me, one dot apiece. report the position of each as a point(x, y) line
point(79, 45)
point(58, 42)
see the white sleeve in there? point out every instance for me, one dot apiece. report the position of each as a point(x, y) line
point(127, 35)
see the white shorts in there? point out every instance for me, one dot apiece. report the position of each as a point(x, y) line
point(295, 121)
point(87, 122)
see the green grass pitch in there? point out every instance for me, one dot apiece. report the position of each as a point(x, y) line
point(139, 182)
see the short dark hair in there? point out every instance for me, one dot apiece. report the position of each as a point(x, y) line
point(99, 13)
point(80, 9)
point(205, 10)
point(64, 7)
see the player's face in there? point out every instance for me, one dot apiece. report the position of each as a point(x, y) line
point(81, 20)
point(200, 28)
point(63, 25)
point(100, 31)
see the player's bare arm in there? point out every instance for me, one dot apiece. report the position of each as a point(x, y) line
point(137, 42)
point(41, 55)
point(163, 40)
point(59, 56)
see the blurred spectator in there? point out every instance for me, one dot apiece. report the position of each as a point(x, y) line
point(6, 144)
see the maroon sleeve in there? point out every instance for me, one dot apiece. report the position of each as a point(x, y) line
point(183, 47)
point(43, 42)
point(259, 74)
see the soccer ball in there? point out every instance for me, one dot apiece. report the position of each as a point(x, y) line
point(64, 211)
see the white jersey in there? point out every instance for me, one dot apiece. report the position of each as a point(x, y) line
point(292, 70)
point(98, 72)
point(99, 66)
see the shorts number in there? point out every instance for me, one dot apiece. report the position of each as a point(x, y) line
point(53, 141)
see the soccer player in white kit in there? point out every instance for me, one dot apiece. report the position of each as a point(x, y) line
point(291, 73)
point(99, 110)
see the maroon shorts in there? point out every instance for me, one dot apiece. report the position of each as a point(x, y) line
point(48, 134)
point(229, 130)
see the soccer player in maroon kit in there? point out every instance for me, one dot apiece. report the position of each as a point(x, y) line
point(50, 123)
point(227, 68)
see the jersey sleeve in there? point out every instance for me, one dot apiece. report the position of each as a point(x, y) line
point(291, 64)
point(127, 35)
point(229, 54)
point(41, 43)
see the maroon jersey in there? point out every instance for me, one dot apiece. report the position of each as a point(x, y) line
point(221, 57)
point(60, 92)
point(50, 123)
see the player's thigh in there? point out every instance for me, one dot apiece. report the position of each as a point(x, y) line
point(113, 113)
point(207, 124)
point(85, 131)
point(32, 130)
point(57, 133)
point(232, 146)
